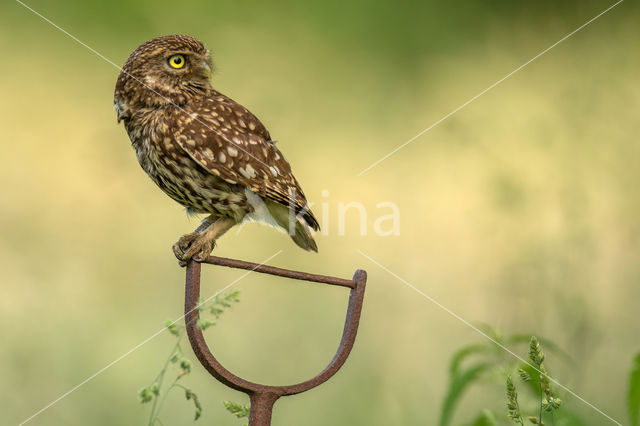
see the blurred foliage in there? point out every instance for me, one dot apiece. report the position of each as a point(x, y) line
point(492, 363)
point(634, 392)
point(520, 210)
point(240, 411)
point(486, 365)
point(155, 393)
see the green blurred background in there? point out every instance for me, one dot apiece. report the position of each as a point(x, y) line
point(520, 211)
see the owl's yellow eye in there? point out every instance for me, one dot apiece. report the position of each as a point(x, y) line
point(177, 61)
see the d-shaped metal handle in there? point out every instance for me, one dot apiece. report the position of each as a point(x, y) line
point(264, 396)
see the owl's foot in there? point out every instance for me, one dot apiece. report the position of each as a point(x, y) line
point(199, 244)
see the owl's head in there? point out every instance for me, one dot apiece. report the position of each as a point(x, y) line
point(164, 70)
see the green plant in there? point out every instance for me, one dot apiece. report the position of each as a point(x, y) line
point(513, 408)
point(156, 393)
point(494, 362)
point(634, 392)
point(486, 364)
point(238, 410)
point(549, 402)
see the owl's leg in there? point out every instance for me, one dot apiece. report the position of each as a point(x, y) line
point(186, 240)
point(199, 244)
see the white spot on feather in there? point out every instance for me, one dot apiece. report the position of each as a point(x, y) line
point(208, 153)
point(248, 171)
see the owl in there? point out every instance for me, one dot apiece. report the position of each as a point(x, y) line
point(205, 150)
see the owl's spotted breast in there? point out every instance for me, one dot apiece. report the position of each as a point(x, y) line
point(181, 177)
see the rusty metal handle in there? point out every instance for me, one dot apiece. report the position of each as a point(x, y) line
point(263, 397)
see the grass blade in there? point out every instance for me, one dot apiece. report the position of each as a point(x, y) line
point(457, 387)
point(462, 354)
point(634, 392)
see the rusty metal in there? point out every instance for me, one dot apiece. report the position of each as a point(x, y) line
point(263, 397)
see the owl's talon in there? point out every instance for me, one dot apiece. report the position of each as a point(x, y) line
point(179, 254)
point(194, 246)
point(199, 250)
point(205, 251)
point(186, 240)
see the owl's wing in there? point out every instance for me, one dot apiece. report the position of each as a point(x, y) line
point(230, 142)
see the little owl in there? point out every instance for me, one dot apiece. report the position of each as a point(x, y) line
point(203, 149)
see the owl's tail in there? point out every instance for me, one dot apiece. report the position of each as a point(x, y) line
point(298, 229)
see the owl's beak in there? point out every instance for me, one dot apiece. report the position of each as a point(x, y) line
point(205, 71)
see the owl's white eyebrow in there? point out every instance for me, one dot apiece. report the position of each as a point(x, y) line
point(76, 39)
point(422, 132)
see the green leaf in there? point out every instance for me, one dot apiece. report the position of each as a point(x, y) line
point(493, 333)
point(233, 296)
point(204, 323)
point(216, 311)
point(486, 418)
point(564, 417)
point(236, 409)
point(459, 356)
point(222, 301)
point(172, 327)
point(456, 388)
point(634, 392)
